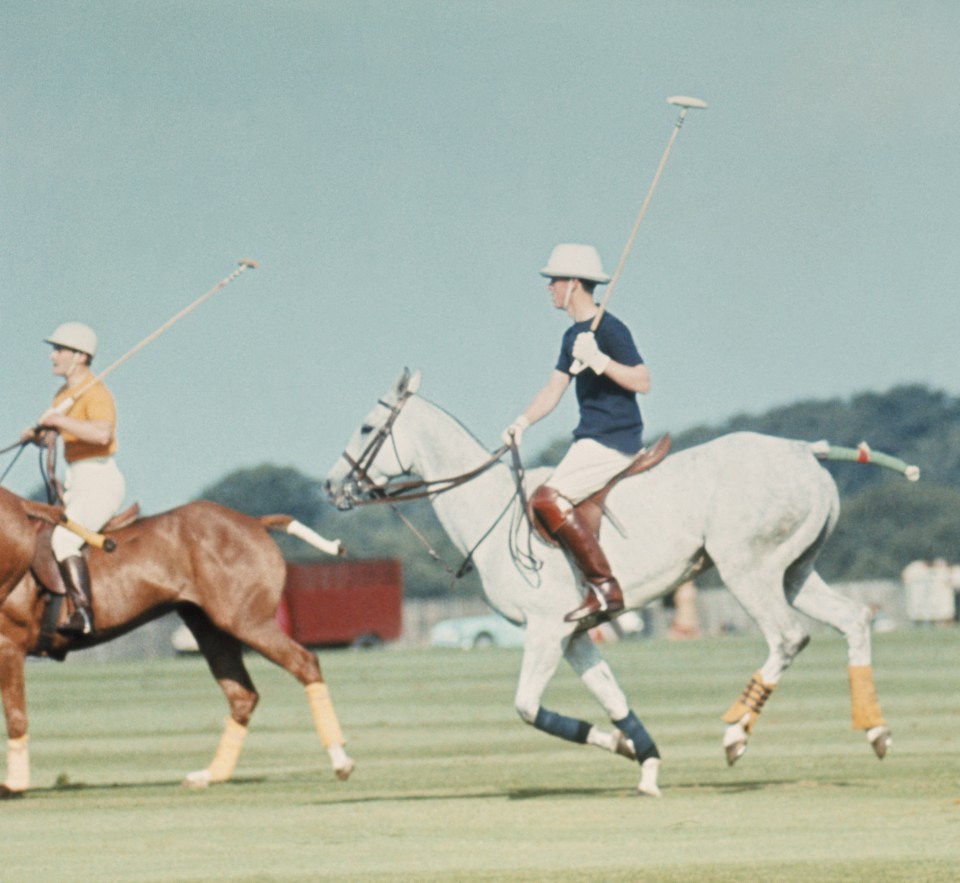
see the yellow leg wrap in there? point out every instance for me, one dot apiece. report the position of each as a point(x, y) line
point(228, 751)
point(324, 717)
point(18, 764)
point(864, 706)
point(750, 702)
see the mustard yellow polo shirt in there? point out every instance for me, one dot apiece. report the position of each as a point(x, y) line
point(95, 404)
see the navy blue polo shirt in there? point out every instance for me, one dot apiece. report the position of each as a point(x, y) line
point(609, 413)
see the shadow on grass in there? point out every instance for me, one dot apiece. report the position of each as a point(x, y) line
point(699, 787)
point(338, 796)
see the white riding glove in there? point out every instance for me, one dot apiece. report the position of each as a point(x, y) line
point(513, 434)
point(586, 350)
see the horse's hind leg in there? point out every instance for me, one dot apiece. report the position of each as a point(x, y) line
point(761, 594)
point(268, 639)
point(631, 738)
point(224, 655)
point(812, 596)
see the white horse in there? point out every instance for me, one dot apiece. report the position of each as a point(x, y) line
point(757, 508)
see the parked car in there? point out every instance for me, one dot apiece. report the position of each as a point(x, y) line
point(492, 630)
point(467, 632)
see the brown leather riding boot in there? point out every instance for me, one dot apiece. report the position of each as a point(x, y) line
point(604, 597)
point(76, 576)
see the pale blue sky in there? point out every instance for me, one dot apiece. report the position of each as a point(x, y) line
point(402, 168)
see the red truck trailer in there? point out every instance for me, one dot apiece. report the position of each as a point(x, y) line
point(343, 603)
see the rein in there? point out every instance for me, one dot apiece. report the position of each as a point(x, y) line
point(12, 463)
point(48, 467)
point(417, 490)
point(405, 490)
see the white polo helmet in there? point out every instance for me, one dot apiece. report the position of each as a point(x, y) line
point(571, 261)
point(74, 336)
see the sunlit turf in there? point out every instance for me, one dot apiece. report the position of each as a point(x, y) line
point(450, 785)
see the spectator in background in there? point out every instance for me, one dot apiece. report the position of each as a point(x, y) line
point(686, 618)
point(929, 592)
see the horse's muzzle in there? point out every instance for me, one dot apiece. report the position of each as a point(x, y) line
point(344, 495)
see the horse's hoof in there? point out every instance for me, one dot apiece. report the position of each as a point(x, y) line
point(649, 770)
point(624, 747)
point(735, 751)
point(197, 780)
point(9, 794)
point(735, 742)
point(881, 739)
point(343, 772)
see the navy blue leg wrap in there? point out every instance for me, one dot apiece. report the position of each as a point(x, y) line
point(637, 733)
point(568, 728)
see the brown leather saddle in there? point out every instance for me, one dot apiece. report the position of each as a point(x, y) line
point(46, 572)
point(44, 566)
point(593, 508)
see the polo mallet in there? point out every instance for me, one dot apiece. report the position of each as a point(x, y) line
point(67, 403)
point(684, 102)
point(245, 264)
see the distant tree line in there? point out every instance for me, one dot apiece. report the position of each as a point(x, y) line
point(885, 522)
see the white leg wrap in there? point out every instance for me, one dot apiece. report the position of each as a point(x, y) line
point(18, 764)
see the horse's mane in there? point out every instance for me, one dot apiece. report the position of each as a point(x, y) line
point(456, 421)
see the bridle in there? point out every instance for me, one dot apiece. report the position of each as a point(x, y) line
point(397, 491)
point(391, 492)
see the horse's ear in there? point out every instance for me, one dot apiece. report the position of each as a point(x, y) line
point(407, 383)
point(400, 384)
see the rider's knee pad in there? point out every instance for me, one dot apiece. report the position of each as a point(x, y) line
point(551, 507)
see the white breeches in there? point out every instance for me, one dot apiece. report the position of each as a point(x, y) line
point(93, 492)
point(585, 468)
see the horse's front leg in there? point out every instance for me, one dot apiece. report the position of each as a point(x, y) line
point(543, 650)
point(15, 709)
point(631, 738)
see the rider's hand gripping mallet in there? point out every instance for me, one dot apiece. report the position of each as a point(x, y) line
point(686, 103)
point(67, 403)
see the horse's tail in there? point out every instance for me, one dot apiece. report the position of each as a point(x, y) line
point(823, 450)
point(290, 525)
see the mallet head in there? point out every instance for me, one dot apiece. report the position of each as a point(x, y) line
point(249, 263)
point(687, 101)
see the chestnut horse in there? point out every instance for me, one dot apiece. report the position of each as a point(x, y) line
point(219, 569)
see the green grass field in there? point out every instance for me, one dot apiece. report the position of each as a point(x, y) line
point(450, 785)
